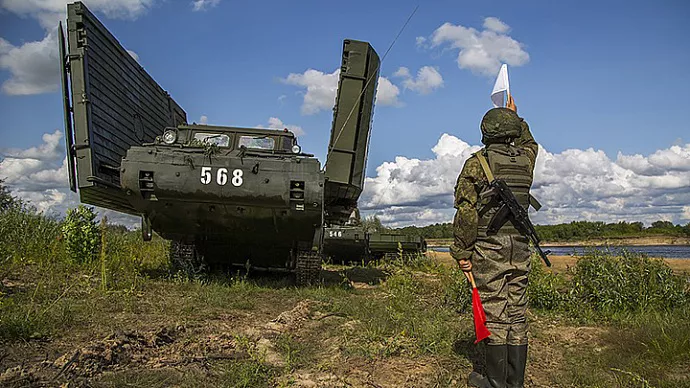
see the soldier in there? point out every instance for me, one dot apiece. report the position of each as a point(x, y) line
point(500, 261)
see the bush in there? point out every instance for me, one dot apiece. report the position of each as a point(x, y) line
point(546, 290)
point(630, 283)
point(81, 233)
point(457, 292)
point(26, 235)
point(603, 285)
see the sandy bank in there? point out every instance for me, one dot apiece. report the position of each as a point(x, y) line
point(634, 241)
point(561, 263)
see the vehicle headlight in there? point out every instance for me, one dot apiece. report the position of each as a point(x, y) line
point(169, 136)
point(296, 149)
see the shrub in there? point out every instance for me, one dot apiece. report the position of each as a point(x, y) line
point(457, 291)
point(26, 234)
point(603, 285)
point(629, 283)
point(546, 290)
point(81, 233)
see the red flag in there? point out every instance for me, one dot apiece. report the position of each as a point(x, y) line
point(480, 330)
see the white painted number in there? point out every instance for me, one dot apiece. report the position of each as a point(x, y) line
point(221, 176)
point(237, 178)
point(335, 233)
point(205, 175)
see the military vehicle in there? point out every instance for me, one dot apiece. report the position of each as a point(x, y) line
point(352, 243)
point(222, 195)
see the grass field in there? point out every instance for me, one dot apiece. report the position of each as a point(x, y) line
point(124, 318)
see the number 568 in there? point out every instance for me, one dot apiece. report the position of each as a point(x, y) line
point(221, 176)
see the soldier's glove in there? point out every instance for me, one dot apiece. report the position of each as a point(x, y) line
point(465, 265)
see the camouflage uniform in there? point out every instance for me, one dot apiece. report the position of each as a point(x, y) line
point(501, 261)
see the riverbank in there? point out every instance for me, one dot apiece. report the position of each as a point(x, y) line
point(562, 263)
point(612, 241)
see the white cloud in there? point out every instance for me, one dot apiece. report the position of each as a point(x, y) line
point(134, 55)
point(415, 182)
point(572, 185)
point(482, 52)
point(387, 93)
point(36, 168)
point(49, 12)
point(420, 41)
point(50, 149)
point(321, 89)
point(428, 79)
point(39, 175)
point(402, 72)
point(202, 5)
point(276, 123)
point(686, 213)
point(496, 25)
point(203, 120)
point(34, 66)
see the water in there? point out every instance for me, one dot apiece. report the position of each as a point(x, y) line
point(665, 251)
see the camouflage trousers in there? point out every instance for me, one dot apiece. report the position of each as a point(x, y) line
point(501, 265)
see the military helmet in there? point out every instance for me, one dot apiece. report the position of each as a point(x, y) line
point(500, 125)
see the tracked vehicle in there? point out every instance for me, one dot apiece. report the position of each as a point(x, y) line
point(352, 243)
point(222, 195)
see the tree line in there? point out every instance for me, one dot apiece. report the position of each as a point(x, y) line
point(573, 231)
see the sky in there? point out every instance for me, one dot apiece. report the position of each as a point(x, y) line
point(602, 85)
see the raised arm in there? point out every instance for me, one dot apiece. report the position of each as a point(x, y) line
point(526, 140)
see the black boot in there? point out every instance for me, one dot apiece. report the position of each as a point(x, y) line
point(496, 364)
point(476, 380)
point(517, 359)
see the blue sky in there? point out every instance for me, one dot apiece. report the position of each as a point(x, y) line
point(611, 76)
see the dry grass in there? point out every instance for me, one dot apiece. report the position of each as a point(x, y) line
point(398, 324)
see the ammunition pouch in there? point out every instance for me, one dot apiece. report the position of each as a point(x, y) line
point(512, 165)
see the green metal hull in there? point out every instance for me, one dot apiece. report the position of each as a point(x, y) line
point(251, 219)
point(383, 243)
point(353, 244)
point(344, 244)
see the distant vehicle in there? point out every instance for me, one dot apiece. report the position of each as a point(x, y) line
point(352, 243)
point(222, 195)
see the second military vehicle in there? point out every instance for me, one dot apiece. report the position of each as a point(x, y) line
point(227, 195)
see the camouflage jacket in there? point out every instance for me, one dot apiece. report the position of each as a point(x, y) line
point(470, 183)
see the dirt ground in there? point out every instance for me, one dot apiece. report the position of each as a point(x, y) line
point(278, 336)
point(148, 350)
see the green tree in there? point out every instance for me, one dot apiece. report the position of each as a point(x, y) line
point(372, 224)
point(7, 200)
point(662, 224)
point(82, 234)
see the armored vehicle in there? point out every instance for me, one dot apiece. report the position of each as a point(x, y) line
point(353, 243)
point(222, 195)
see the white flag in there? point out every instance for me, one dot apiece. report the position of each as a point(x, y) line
point(499, 95)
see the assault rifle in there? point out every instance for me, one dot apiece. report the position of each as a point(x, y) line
point(520, 217)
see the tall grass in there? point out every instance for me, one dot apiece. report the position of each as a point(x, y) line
point(601, 285)
point(41, 278)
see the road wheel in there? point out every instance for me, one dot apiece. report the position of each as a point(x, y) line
point(308, 267)
point(186, 258)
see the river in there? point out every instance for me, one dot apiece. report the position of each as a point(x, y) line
point(664, 251)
